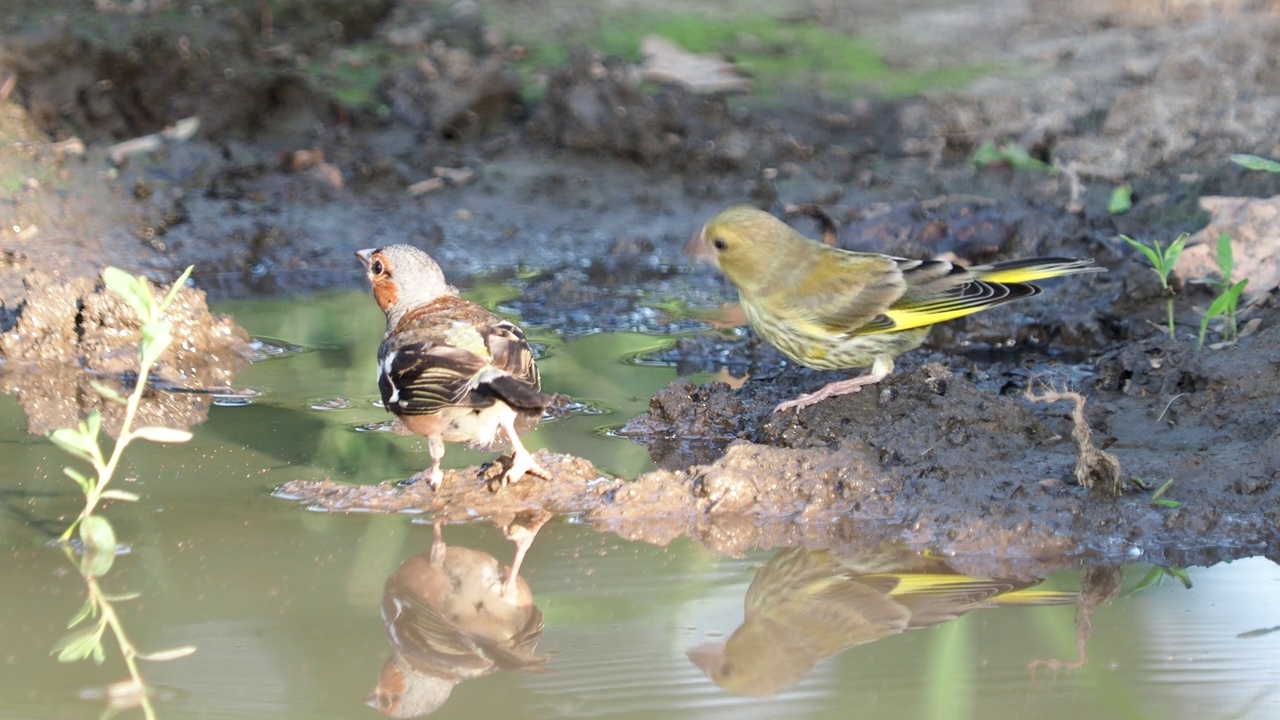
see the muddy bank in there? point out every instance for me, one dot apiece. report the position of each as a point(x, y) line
point(69, 334)
point(940, 459)
point(326, 128)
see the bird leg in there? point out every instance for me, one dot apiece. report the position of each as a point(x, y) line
point(436, 476)
point(521, 461)
point(438, 548)
point(880, 370)
point(521, 532)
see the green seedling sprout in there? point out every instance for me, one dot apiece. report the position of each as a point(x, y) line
point(1162, 261)
point(1228, 293)
point(1253, 162)
point(1007, 153)
point(1121, 200)
point(96, 534)
point(1158, 499)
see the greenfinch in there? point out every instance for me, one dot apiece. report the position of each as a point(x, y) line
point(834, 309)
point(807, 605)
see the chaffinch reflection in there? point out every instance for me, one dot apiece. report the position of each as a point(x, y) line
point(455, 614)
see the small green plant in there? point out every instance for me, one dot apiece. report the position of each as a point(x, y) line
point(82, 441)
point(1228, 293)
point(1253, 162)
point(1162, 261)
point(1159, 500)
point(97, 537)
point(1121, 200)
point(1007, 153)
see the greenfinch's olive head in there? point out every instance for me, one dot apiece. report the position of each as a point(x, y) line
point(745, 243)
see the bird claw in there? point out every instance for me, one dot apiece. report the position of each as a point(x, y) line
point(830, 390)
point(434, 478)
point(522, 464)
point(808, 399)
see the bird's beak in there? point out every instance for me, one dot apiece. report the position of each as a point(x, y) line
point(699, 249)
point(364, 255)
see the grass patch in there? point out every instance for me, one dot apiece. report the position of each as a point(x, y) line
point(780, 54)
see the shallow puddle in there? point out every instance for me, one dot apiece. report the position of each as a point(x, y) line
point(285, 605)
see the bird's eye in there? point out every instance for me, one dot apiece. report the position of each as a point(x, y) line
point(719, 243)
point(376, 267)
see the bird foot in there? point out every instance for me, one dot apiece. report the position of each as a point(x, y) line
point(522, 463)
point(830, 390)
point(433, 477)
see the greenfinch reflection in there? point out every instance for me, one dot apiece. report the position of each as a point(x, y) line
point(807, 605)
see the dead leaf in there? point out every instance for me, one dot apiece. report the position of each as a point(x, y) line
point(666, 62)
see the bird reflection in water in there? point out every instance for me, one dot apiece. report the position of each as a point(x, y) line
point(455, 614)
point(807, 605)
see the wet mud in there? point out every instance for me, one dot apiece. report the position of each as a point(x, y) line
point(583, 198)
point(69, 334)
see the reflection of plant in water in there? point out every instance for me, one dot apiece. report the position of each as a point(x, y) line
point(96, 534)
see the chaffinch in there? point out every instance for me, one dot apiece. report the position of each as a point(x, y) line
point(447, 368)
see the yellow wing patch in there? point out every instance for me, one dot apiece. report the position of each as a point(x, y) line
point(907, 318)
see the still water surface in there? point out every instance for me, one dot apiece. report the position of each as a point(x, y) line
point(284, 604)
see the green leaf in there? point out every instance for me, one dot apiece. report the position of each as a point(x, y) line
point(156, 337)
point(985, 154)
point(1151, 578)
point(1162, 490)
point(1121, 200)
point(85, 483)
point(122, 495)
point(1225, 301)
point(1235, 290)
point(1253, 162)
point(1008, 153)
point(107, 392)
point(98, 535)
point(74, 441)
point(175, 287)
point(79, 645)
point(1166, 502)
point(156, 433)
point(1181, 574)
point(93, 425)
point(1225, 259)
point(89, 608)
point(167, 655)
point(122, 597)
point(96, 563)
point(1175, 249)
point(1152, 256)
point(134, 290)
point(1204, 322)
